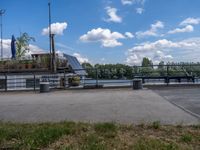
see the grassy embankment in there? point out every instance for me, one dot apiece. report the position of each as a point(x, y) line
point(69, 135)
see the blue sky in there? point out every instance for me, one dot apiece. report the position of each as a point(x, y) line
point(110, 31)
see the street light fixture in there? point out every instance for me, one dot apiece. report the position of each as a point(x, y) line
point(2, 11)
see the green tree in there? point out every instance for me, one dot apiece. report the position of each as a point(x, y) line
point(161, 68)
point(87, 66)
point(22, 44)
point(147, 67)
point(146, 62)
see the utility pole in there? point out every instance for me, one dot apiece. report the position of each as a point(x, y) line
point(50, 39)
point(53, 54)
point(2, 11)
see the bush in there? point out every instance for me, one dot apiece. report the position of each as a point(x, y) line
point(74, 81)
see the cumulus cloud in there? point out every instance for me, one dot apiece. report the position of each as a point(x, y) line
point(139, 10)
point(6, 48)
point(33, 49)
point(186, 50)
point(106, 37)
point(190, 21)
point(56, 28)
point(130, 2)
point(113, 17)
point(153, 31)
point(81, 58)
point(129, 35)
point(159, 56)
point(188, 28)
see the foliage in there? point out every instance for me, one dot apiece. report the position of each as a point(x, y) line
point(146, 62)
point(122, 71)
point(109, 71)
point(74, 81)
point(186, 138)
point(22, 44)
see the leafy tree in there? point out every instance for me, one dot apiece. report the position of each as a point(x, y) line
point(22, 44)
point(87, 66)
point(146, 62)
point(147, 66)
point(161, 68)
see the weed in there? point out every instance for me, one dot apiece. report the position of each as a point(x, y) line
point(108, 130)
point(153, 144)
point(186, 138)
point(156, 125)
point(93, 142)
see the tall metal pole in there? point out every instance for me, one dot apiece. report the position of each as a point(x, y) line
point(50, 39)
point(2, 11)
point(53, 54)
point(50, 45)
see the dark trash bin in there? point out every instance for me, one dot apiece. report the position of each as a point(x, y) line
point(137, 84)
point(44, 87)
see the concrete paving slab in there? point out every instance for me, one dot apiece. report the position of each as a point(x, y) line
point(103, 105)
point(188, 97)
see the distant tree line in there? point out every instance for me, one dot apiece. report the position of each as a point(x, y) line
point(122, 71)
point(109, 71)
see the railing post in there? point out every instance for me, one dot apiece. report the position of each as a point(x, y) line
point(34, 81)
point(96, 77)
point(167, 75)
point(64, 79)
point(6, 81)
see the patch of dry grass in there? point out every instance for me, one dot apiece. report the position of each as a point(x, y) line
point(101, 136)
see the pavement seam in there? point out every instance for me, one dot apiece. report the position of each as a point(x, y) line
point(183, 108)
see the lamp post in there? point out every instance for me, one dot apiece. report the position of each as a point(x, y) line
point(2, 11)
point(53, 54)
point(50, 45)
point(50, 37)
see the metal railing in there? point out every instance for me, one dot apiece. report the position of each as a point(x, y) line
point(101, 77)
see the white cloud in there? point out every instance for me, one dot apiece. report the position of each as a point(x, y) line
point(113, 17)
point(162, 44)
point(129, 35)
point(7, 49)
point(56, 28)
point(190, 21)
point(134, 59)
point(127, 2)
point(80, 58)
point(185, 50)
point(153, 31)
point(139, 10)
point(34, 49)
point(130, 2)
point(104, 36)
point(160, 56)
point(188, 28)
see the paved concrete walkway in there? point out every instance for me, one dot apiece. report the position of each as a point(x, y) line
point(105, 105)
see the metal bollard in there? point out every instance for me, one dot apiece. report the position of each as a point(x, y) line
point(44, 87)
point(137, 84)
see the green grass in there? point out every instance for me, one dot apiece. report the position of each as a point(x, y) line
point(99, 136)
point(32, 136)
point(152, 144)
point(156, 125)
point(107, 130)
point(186, 138)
